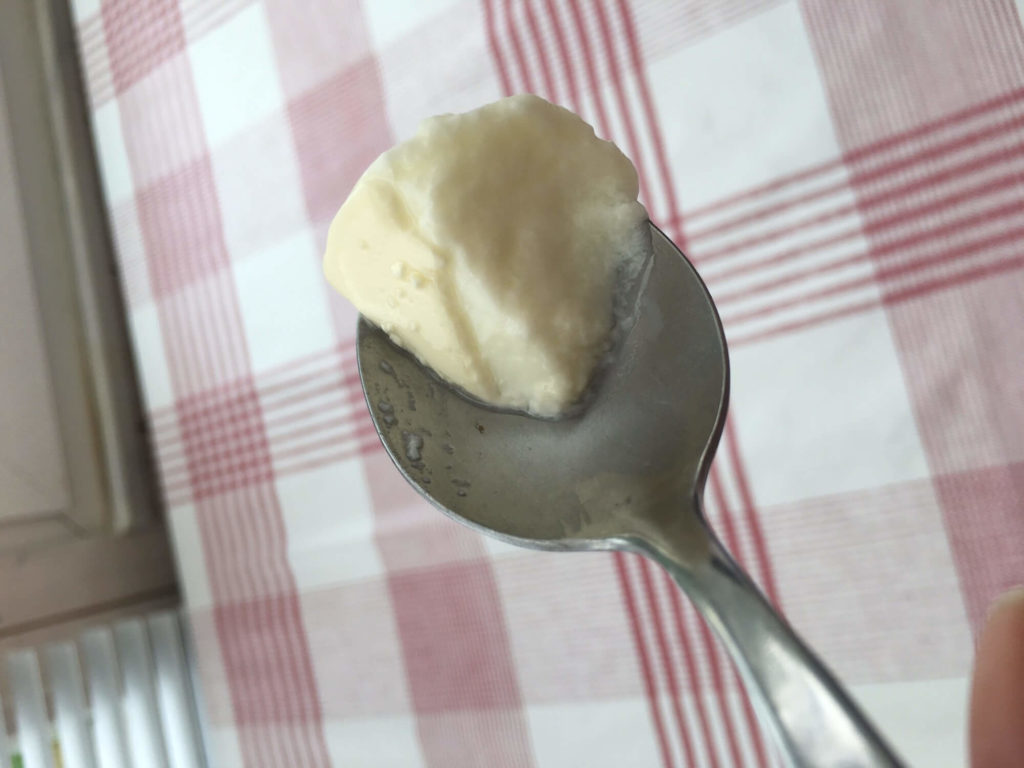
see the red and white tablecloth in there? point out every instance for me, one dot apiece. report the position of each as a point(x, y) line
point(848, 175)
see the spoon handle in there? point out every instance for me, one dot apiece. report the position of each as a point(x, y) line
point(818, 723)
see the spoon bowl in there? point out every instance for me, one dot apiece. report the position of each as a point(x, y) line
point(625, 472)
point(639, 448)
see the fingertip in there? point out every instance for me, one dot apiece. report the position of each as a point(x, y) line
point(996, 728)
point(1009, 603)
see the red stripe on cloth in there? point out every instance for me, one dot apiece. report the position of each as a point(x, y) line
point(459, 665)
point(891, 273)
point(140, 37)
point(818, 318)
point(657, 140)
point(323, 407)
point(227, 451)
point(733, 543)
point(607, 44)
point(703, 258)
point(670, 27)
point(204, 406)
point(181, 227)
point(363, 442)
point(593, 83)
point(202, 18)
point(525, 79)
point(357, 402)
point(724, 298)
point(932, 127)
point(667, 662)
point(643, 656)
point(877, 173)
point(345, 347)
point(684, 631)
point(715, 665)
point(320, 435)
point(492, 42)
point(550, 90)
point(457, 655)
point(457, 649)
point(347, 382)
point(563, 52)
point(768, 211)
point(876, 225)
point(861, 154)
point(761, 190)
point(933, 151)
point(754, 731)
point(339, 389)
point(354, 435)
point(764, 563)
point(270, 571)
point(981, 162)
point(961, 278)
point(967, 57)
point(368, 446)
point(350, 104)
point(260, 626)
point(260, 629)
point(763, 568)
point(162, 125)
point(986, 216)
point(522, 59)
point(330, 358)
point(92, 50)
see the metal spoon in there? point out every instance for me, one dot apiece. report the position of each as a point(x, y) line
point(626, 473)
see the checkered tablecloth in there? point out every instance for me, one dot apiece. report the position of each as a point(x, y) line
point(848, 175)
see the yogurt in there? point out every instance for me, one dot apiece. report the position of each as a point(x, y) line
point(490, 245)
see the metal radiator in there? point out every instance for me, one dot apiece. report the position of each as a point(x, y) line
point(120, 696)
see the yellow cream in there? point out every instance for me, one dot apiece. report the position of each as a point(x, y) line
point(489, 245)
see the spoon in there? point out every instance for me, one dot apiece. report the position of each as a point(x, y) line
point(625, 473)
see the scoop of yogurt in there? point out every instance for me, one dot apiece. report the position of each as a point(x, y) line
point(490, 245)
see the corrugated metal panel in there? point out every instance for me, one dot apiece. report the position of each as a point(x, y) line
point(121, 697)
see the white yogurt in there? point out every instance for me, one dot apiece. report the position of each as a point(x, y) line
point(490, 245)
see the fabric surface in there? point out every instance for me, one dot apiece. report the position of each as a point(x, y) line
point(849, 179)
